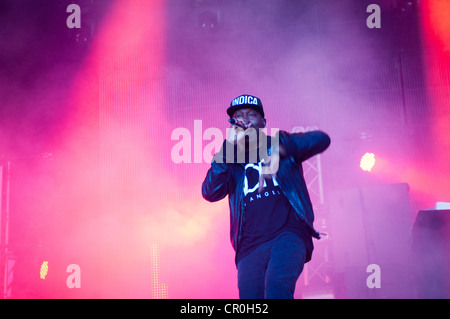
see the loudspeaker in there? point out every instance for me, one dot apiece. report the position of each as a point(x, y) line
point(430, 254)
point(372, 225)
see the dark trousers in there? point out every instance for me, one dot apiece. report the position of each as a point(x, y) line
point(272, 269)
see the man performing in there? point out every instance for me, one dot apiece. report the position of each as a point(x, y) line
point(271, 215)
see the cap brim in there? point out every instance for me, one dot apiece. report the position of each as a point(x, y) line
point(231, 110)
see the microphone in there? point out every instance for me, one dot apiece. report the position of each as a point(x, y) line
point(237, 123)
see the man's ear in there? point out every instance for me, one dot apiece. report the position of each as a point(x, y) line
point(265, 122)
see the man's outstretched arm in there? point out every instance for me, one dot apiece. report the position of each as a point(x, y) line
point(303, 146)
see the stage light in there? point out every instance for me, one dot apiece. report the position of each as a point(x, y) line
point(44, 269)
point(367, 162)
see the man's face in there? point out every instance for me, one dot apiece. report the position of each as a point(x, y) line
point(250, 118)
